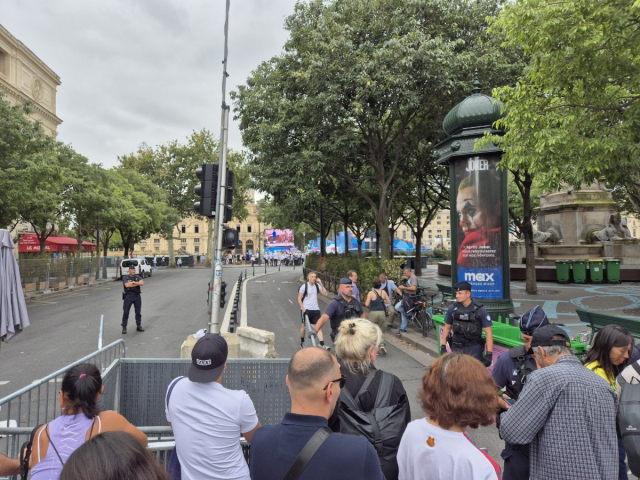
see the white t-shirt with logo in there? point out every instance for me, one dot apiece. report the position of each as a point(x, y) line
point(310, 302)
point(207, 420)
point(430, 453)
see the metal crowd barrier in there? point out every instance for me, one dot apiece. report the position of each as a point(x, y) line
point(55, 273)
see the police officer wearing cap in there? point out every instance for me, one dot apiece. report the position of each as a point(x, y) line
point(343, 307)
point(467, 319)
point(510, 373)
point(131, 296)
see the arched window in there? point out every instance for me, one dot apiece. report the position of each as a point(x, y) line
point(249, 244)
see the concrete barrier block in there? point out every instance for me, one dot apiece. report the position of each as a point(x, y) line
point(187, 347)
point(256, 342)
point(232, 341)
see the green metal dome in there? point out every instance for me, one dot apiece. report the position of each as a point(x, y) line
point(476, 111)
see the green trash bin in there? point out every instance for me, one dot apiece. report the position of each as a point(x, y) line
point(579, 268)
point(613, 271)
point(562, 271)
point(596, 271)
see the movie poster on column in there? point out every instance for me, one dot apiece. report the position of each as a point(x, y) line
point(479, 221)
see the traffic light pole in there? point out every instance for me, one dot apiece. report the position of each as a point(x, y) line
point(216, 267)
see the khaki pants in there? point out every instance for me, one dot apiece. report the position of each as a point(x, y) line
point(391, 313)
point(379, 318)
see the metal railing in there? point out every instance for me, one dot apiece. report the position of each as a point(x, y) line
point(38, 403)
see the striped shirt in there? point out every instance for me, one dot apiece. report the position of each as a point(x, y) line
point(568, 414)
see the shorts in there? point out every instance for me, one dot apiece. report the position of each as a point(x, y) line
point(314, 316)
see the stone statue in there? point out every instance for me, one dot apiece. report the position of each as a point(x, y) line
point(551, 235)
point(616, 230)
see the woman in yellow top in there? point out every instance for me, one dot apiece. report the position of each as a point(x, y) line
point(607, 357)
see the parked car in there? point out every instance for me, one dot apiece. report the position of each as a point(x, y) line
point(143, 268)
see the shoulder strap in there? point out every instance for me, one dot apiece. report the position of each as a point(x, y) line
point(305, 290)
point(25, 453)
point(46, 430)
point(636, 367)
point(171, 389)
point(317, 287)
point(383, 397)
point(307, 453)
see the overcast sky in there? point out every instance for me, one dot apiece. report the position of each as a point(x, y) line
point(136, 71)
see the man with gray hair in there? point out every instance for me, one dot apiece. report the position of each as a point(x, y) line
point(303, 445)
point(566, 413)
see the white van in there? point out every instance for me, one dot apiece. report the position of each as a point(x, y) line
point(143, 268)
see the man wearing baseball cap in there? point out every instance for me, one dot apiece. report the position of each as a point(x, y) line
point(207, 418)
point(565, 412)
point(467, 320)
point(510, 372)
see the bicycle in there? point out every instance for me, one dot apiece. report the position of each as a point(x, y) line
point(415, 308)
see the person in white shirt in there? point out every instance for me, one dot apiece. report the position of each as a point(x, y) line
point(208, 419)
point(308, 301)
point(457, 393)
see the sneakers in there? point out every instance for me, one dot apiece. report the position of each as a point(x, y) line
point(303, 344)
point(400, 332)
point(383, 351)
point(124, 330)
point(326, 347)
point(139, 328)
point(392, 326)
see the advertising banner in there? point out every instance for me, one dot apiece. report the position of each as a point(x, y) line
point(479, 226)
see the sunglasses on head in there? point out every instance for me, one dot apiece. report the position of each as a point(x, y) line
point(342, 381)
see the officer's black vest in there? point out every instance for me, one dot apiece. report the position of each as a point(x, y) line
point(351, 310)
point(523, 369)
point(466, 323)
point(132, 290)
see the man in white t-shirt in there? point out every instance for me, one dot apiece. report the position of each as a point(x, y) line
point(308, 301)
point(208, 419)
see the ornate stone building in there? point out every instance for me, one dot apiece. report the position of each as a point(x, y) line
point(24, 77)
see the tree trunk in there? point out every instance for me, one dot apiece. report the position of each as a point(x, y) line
point(531, 282)
point(346, 238)
point(390, 249)
point(377, 242)
point(172, 254)
point(360, 247)
point(418, 271)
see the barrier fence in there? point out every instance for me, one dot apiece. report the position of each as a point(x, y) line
point(56, 273)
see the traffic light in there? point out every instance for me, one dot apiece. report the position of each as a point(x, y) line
point(223, 293)
point(228, 199)
point(230, 238)
point(208, 175)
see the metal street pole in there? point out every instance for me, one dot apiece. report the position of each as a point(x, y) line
point(216, 267)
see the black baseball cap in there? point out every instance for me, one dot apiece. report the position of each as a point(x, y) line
point(346, 281)
point(462, 286)
point(207, 358)
point(543, 336)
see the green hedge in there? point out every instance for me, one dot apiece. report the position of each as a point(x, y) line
point(368, 268)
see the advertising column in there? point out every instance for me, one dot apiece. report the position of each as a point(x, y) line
point(480, 223)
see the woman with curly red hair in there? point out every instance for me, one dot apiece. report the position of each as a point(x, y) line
point(457, 393)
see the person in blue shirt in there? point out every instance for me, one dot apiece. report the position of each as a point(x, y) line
point(314, 381)
point(467, 319)
point(509, 373)
point(389, 286)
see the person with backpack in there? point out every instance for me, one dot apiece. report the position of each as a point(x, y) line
point(343, 307)
point(608, 357)
point(457, 393)
point(308, 301)
point(510, 372)
point(80, 421)
point(373, 403)
point(375, 301)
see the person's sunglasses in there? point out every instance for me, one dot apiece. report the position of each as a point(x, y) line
point(342, 381)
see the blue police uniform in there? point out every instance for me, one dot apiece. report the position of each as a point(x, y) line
point(467, 324)
point(131, 297)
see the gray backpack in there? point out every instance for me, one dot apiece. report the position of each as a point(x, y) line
point(629, 419)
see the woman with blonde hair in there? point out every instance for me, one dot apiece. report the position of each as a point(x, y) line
point(372, 403)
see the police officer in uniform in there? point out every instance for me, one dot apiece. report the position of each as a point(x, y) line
point(467, 319)
point(510, 373)
point(343, 307)
point(132, 283)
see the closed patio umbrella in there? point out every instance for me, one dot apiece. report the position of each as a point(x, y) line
point(13, 309)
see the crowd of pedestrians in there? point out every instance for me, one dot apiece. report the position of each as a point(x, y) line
point(557, 414)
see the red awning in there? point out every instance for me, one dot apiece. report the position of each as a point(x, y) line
point(30, 243)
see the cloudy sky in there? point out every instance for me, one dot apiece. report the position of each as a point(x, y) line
point(138, 71)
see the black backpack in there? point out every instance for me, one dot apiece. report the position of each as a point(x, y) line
point(629, 419)
point(383, 426)
point(306, 284)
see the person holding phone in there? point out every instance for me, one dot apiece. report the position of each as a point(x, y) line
point(509, 373)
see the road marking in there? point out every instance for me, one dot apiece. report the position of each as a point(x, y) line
point(286, 282)
point(40, 302)
point(290, 301)
point(279, 288)
point(261, 281)
point(4, 382)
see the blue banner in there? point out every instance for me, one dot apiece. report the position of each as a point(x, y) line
point(486, 282)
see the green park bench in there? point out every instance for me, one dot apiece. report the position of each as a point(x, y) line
point(445, 290)
point(598, 321)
